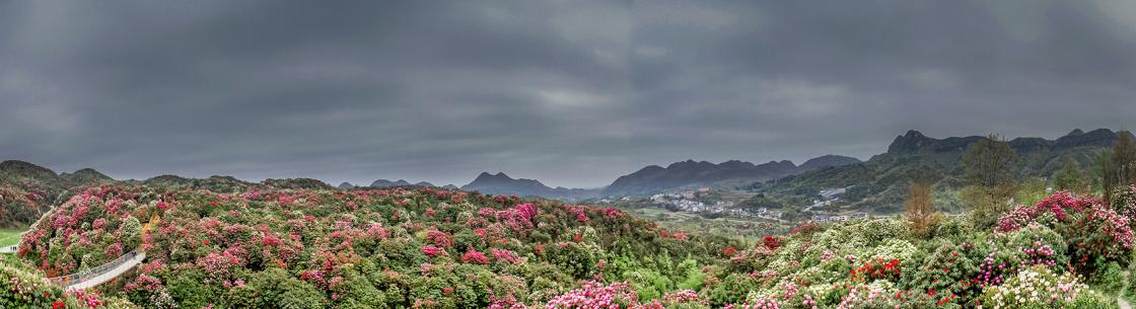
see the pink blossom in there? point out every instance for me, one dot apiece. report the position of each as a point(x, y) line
point(505, 255)
point(164, 206)
point(440, 239)
point(595, 295)
point(432, 251)
point(474, 257)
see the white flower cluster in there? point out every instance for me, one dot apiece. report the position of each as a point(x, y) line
point(1036, 286)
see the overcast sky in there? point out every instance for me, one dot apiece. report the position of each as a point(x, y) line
point(572, 93)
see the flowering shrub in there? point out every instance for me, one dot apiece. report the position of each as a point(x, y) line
point(322, 248)
point(1124, 202)
point(682, 296)
point(770, 242)
point(23, 287)
point(406, 248)
point(762, 303)
point(19, 206)
point(1095, 233)
point(946, 274)
point(877, 270)
point(475, 257)
point(1034, 287)
point(440, 239)
point(1060, 205)
point(729, 251)
point(596, 295)
point(504, 255)
point(883, 294)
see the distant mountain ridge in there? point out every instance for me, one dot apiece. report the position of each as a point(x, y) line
point(914, 141)
point(826, 161)
point(880, 183)
point(383, 183)
point(907, 153)
point(41, 179)
point(503, 184)
point(86, 175)
point(654, 178)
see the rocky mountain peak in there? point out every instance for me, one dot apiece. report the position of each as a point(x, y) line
point(911, 141)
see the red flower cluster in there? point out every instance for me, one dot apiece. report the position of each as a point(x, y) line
point(771, 242)
point(729, 251)
point(877, 269)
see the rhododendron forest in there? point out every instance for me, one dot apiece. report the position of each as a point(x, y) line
point(436, 248)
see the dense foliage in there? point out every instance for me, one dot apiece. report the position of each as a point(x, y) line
point(364, 248)
point(25, 287)
point(431, 248)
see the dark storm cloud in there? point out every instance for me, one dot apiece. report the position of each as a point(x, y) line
point(574, 93)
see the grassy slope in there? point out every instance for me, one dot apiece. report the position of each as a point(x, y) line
point(10, 237)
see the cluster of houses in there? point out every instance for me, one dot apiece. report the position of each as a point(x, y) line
point(821, 218)
point(688, 201)
point(828, 196)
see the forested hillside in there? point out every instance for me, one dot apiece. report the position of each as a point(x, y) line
point(879, 184)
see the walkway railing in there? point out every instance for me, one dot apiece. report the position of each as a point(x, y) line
point(107, 271)
point(13, 248)
point(86, 278)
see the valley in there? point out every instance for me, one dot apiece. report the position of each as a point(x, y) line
point(817, 237)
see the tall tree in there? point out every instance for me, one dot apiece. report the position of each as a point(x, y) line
point(1070, 177)
point(920, 209)
point(1117, 167)
point(990, 163)
point(991, 175)
point(1124, 158)
point(1105, 175)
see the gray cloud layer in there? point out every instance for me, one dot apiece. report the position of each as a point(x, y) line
point(573, 93)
